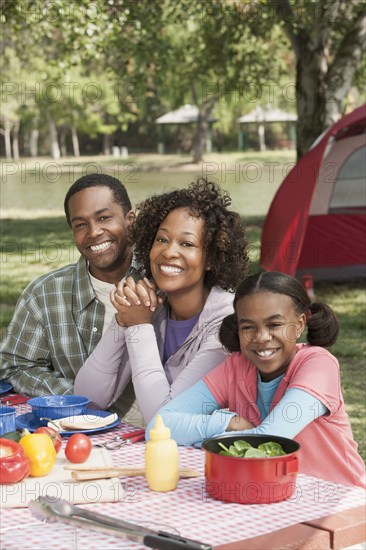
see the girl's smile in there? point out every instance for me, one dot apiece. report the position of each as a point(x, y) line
point(269, 328)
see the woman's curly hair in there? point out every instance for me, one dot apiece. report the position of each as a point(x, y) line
point(224, 239)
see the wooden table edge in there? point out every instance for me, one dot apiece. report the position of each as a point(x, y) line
point(334, 531)
point(293, 537)
point(345, 528)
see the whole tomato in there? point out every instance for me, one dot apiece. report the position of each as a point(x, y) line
point(54, 435)
point(78, 448)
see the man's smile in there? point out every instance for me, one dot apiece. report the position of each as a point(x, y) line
point(100, 247)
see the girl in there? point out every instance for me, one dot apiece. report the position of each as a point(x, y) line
point(272, 385)
point(194, 248)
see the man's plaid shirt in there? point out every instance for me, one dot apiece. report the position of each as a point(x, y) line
point(56, 325)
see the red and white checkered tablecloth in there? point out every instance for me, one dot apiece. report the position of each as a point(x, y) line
point(187, 510)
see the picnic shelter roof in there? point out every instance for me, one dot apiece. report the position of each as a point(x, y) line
point(184, 115)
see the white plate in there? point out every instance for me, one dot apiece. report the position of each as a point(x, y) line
point(83, 422)
point(31, 423)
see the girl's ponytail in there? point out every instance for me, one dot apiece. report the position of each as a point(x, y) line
point(322, 325)
point(228, 333)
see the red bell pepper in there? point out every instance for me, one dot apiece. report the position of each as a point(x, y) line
point(14, 465)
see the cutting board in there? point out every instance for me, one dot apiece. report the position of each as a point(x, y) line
point(59, 484)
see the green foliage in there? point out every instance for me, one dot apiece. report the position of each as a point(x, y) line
point(219, 52)
point(144, 57)
point(147, 57)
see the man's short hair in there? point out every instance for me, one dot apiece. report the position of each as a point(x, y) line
point(99, 180)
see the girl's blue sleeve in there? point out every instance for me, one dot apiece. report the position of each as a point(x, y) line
point(291, 415)
point(193, 416)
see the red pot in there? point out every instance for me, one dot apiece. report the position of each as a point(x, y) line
point(251, 480)
point(13, 466)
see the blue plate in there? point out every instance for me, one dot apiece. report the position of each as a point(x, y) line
point(5, 386)
point(31, 423)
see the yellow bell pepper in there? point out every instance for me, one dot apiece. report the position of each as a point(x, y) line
point(41, 453)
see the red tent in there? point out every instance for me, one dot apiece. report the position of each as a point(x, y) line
point(316, 223)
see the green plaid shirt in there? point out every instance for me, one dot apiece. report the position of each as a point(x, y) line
point(57, 323)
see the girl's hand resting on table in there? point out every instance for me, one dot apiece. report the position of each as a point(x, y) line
point(238, 423)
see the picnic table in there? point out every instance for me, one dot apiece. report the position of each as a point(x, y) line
point(319, 515)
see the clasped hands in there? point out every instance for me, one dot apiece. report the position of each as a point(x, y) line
point(135, 302)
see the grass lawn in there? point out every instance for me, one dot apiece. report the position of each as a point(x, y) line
point(31, 246)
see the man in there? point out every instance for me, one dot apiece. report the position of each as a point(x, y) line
point(60, 317)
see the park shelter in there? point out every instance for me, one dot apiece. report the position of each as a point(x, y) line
point(316, 223)
point(187, 114)
point(261, 117)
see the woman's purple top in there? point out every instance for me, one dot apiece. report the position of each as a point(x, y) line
point(176, 334)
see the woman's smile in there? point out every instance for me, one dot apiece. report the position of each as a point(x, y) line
point(177, 256)
point(170, 270)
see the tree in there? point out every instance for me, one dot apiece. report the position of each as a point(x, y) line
point(66, 88)
point(328, 39)
point(11, 79)
point(216, 52)
point(159, 55)
point(74, 43)
point(167, 53)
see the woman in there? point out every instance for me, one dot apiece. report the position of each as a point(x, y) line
point(194, 249)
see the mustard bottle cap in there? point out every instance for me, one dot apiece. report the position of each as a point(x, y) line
point(159, 431)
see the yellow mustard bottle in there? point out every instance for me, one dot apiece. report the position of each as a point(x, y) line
point(161, 458)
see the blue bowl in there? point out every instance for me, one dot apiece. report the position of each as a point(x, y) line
point(58, 406)
point(7, 420)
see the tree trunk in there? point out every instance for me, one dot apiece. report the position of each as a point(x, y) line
point(33, 142)
point(6, 133)
point(55, 149)
point(199, 139)
point(107, 143)
point(310, 98)
point(323, 76)
point(75, 141)
point(16, 140)
point(201, 133)
point(342, 70)
point(63, 142)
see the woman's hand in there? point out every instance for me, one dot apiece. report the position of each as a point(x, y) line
point(143, 291)
point(238, 423)
point(130, 310)
point(129, 314)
